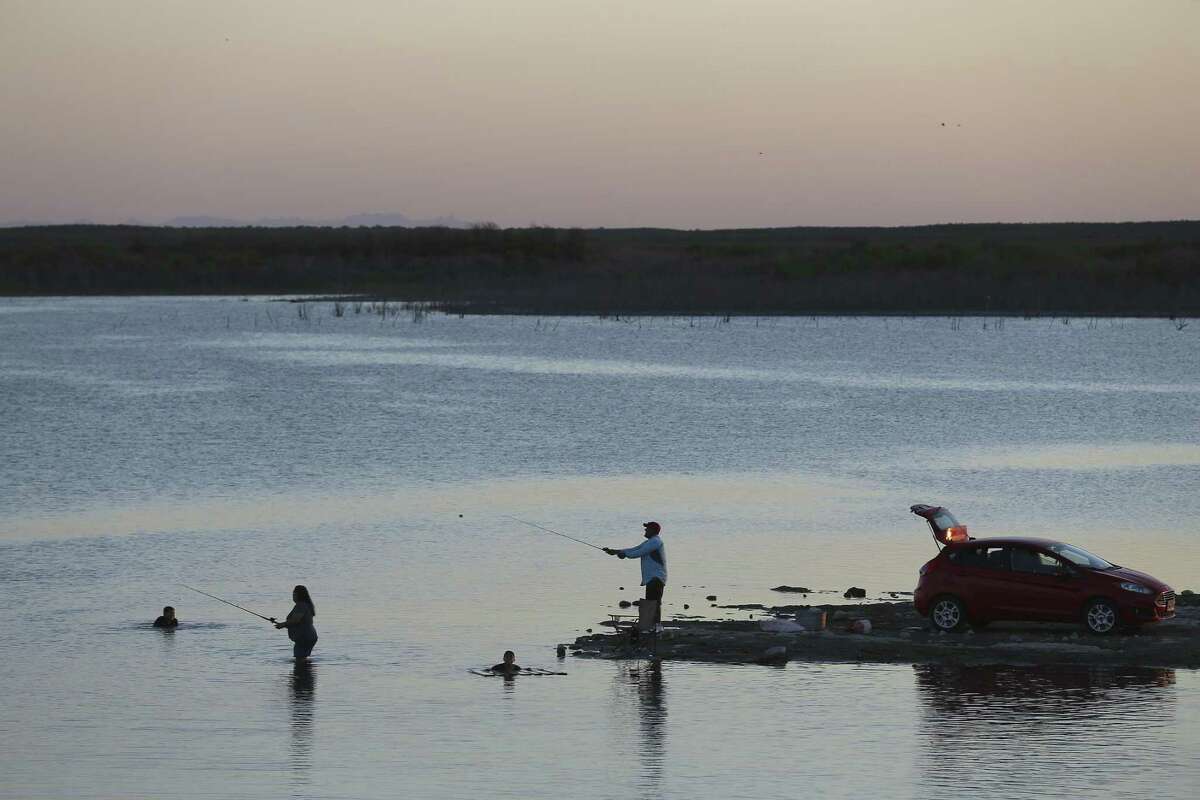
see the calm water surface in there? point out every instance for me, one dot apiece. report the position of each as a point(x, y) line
point(237, 447)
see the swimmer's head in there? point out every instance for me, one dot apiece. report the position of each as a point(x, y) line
point(169, 612)
point(509, 656)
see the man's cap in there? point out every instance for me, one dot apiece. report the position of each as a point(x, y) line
point(652, 526)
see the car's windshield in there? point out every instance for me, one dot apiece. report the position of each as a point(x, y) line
point(1079, 556)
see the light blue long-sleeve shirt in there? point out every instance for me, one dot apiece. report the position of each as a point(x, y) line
point(654, 559)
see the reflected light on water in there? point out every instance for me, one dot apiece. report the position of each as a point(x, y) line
point(510, 496)
point(1074, 457)
point(1067, 730)
point(302, 692)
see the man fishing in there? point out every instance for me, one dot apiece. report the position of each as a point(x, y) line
point(654, 566)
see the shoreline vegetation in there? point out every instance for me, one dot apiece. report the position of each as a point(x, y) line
point(1037, 269)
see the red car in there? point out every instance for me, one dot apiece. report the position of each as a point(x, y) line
point(977, 581)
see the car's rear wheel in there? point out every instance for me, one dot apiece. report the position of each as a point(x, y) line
point(1101, 617)
point(947, 613)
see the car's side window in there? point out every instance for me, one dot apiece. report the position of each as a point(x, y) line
point(981, 557)
point(1034, 562)
point(965, 556)
point(996, 557)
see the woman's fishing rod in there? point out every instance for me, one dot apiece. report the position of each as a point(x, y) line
point(548, 530)
point(226, 602)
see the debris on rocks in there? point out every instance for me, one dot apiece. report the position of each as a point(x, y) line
point(897, 634)
point(781, 626)
point(811, 618)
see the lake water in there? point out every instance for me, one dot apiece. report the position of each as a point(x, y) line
point(240, 448)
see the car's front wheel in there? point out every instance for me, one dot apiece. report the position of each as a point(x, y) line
point(948, 613)
point(1100, 617)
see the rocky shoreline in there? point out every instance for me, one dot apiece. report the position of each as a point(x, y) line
point(895, 633)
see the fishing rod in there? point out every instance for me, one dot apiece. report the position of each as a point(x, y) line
point(226, 602)
point(549, 530)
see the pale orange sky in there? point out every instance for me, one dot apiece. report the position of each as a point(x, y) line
point(678, 113)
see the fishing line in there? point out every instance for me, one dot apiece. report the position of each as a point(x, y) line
point(226, 602)
point(549, 530)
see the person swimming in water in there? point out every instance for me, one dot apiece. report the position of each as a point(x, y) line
point(167, 620)
point(507, 668)
point(299, 623)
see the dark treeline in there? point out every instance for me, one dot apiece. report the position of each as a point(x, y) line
point(1077, 268)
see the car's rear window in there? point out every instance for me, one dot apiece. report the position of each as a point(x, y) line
point(943, 519)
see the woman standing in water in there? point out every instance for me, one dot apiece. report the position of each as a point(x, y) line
point(299, 623)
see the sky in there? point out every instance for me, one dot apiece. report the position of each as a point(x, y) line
point(673, 113)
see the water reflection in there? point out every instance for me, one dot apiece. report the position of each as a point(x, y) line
point(650, 696)
point(1044, 731)
point(302, 684)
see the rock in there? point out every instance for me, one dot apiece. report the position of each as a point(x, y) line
point(637, 602)
point(589, 630)
point(621, 588)
point(795, 589)
point(854, 591)
point(561, 651)
point(773, 655)
point(747, 607)
point(686, 606)
point(711, 597)
point(625, 604)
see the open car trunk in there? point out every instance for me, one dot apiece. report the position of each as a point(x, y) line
point(946, 529)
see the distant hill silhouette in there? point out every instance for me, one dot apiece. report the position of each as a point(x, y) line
point(385, 220)
point(1150, 268)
